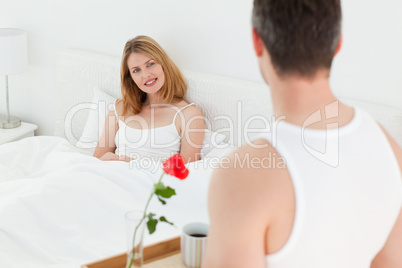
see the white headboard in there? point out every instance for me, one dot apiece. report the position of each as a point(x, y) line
point(77, 73)
point(227, 103)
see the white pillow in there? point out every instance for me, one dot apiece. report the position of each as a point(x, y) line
point(100, 106)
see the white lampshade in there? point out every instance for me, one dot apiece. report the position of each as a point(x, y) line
point(13, 51)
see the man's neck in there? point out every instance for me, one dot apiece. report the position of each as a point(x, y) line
point(298, 98)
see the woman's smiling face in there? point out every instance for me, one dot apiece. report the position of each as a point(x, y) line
point(147, 74)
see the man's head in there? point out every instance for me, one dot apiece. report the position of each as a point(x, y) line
point(301, 36)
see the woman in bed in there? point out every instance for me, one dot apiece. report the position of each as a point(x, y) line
point(152, 119)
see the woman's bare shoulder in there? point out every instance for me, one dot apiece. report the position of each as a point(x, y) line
point(180, 104)
point(119, 103)
point(191, 110)
point(119, 106)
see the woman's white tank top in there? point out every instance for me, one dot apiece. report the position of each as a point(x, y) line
point(156, 144)
point(348, 192)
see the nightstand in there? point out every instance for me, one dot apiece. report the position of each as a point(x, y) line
point(18, 133)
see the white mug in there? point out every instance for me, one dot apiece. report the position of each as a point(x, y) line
point(192, 243)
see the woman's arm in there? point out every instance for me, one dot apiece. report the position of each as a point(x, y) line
point(106, 145)
point(192, 134)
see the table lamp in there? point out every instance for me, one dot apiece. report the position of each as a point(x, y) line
point(13, 60)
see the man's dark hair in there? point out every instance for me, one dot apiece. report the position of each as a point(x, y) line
point(301, 35)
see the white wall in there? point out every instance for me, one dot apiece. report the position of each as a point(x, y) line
point(201, 35)
point(370, 65)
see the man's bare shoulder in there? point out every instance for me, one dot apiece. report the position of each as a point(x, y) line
point(256, 170)
point(258, 157)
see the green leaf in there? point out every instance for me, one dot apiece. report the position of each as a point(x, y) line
point(162, 201)
point(160, 186)
point(151, 223)
point(165, 220)
point(166, 192)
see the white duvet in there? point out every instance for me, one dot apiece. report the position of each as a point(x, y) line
point(62, 208)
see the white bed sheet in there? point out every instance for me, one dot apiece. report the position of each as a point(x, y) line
point(61, 208)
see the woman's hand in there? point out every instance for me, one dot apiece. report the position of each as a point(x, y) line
point(109, 156)
point(125, 158)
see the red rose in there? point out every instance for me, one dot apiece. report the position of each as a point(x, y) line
point(175, 166)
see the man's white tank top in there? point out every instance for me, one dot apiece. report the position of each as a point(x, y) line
point(348, 192)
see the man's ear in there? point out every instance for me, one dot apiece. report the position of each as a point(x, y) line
point(338, 48)
point(258, 44)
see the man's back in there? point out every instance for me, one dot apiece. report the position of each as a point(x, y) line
point(347, 187)
point(307, 213)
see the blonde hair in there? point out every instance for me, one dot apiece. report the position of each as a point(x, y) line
point(173, 88)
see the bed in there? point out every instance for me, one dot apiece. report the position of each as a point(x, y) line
point(60, 207)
